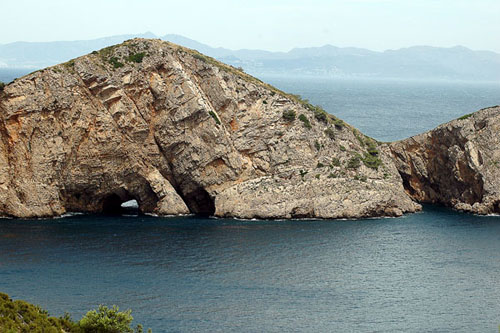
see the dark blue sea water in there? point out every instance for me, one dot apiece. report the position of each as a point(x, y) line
point(438, 270)
point(433, 271)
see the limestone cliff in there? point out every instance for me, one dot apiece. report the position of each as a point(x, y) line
point(456, 164)
point(181, 133)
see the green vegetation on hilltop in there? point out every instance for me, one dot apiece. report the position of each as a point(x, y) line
point(108, 55)
point(115, 62)
point(137, 57)
point(22, 317)
point(135, 50)
point(2, 86)
point(468, 115)
point(465, 116)
point(339, 123)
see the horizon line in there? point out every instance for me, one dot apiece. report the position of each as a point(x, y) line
point(249, 49)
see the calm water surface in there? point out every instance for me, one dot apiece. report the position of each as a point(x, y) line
point(432, 271)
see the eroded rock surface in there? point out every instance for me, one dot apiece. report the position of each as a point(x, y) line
point(181, 133)
point(456, 164)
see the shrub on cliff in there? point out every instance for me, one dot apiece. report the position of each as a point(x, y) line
point(2, 85)
point(465, 116)
point(339, 123)
point(371, 146)
point(115, 62)
point(335, 162)
point(289, 115)
point(330, 133)
point(354, 162)
point(320, 114)
point(136, 57)
point(372, 161)
point(305, 120)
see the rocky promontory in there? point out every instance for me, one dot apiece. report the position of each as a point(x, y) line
point(182, 133)
point(457, 164)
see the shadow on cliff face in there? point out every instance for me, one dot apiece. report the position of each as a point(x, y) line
point(199, 202)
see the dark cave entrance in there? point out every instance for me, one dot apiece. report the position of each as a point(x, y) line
point(121, 202)
point(117, 205)
point(200, 203)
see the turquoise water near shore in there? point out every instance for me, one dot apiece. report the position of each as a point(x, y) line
point(431, 271)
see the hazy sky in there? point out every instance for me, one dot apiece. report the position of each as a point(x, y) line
point(276, 25)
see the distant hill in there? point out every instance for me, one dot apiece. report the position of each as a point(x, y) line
point(418, 62)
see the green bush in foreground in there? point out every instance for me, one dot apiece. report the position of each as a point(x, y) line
point(20, 316)
point(2, 85)
point(104, 320)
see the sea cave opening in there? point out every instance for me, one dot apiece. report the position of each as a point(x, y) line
point(200, 203)
point(117, 205)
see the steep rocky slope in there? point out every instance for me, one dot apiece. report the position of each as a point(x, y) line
point(181, 133)
point(456, 164)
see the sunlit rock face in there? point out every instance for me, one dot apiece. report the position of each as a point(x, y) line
point(456, 164)
point(181, 133)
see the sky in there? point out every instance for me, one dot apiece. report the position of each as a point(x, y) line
point(275, 25)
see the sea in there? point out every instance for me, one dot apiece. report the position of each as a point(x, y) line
point(433, 271)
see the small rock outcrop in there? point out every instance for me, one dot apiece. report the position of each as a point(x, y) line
point(182, 133)
point(457, 164)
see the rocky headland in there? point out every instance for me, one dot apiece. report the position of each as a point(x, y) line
point(457, 164)
point(182, 133)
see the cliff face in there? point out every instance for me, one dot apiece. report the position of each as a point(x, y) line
point(181, 133)
point(456, 164)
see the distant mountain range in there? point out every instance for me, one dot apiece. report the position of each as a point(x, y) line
point(418, 62)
